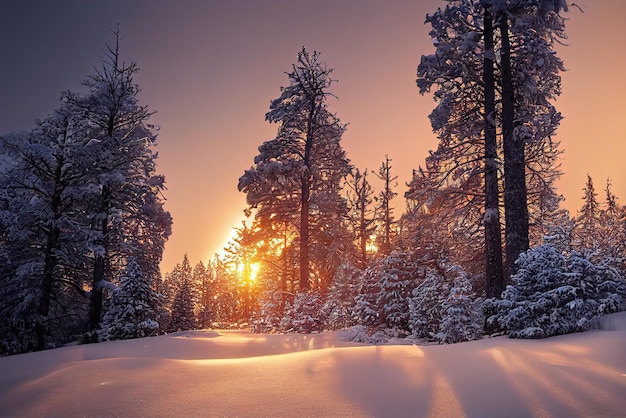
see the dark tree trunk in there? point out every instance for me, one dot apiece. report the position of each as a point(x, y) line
point(515, 200)
point(283, 274)
point(50, 263)
point(493, 239)
point(305, 284)
point(99, 264)
point(388, 194)
point(47, 280)
point(304, 234)
point(363, 230)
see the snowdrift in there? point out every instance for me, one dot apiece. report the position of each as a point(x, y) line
point(236, 373)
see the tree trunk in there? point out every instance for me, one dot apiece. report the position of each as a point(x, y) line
point(95, 307)
point(515, 201)
point(47, 280)
point(305, 284)
point(50, 263)
point(283, 274)
point(304, 234)
point(363, 230)
point(493, 239)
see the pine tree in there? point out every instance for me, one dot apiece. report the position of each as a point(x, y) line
point(555, 294)
point(305, 158)
point(426, 304)
point(127, 215)
point(588, 220)
point(524, 50)
point(84, 197)
point(361, 214)
point(43, 228)
point(305, 315)
point(183, 314)
point(461, 318)
point(385, 208)
point(205, 290)
point(530, 80)
point(132, 311)
point(226, 301)
point(397, 281)
point(366, 310)
point(339, 304)
point(612, 231)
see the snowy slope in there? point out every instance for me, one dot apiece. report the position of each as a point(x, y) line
point(234, 373)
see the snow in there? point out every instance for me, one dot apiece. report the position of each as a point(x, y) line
point(237, 373)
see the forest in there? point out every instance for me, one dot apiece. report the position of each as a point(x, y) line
point(480, 245)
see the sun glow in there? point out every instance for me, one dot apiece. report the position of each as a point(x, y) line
point(254, 271)
point(371, 247)
point(248, 272)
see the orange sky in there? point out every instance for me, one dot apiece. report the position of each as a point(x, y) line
point(210, 69)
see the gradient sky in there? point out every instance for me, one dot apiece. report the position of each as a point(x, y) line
point(210, 69)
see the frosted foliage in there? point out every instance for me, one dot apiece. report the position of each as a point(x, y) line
point(396, 283)
point(384, 294)
point(555, 294)
point(365, 308)
point(461, 315)
point(269, 316)
point(183, 315)
point(339, 304)
point(426, 305)
point(305, 314)
point(132, 309)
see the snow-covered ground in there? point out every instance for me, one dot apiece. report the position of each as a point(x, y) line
point(236, 373)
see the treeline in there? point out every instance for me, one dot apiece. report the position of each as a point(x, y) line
point(485, 196)
point(572, 274)
point(482, 245)
point(81, 213)
point(327, 253)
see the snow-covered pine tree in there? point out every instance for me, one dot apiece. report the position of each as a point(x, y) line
point(304, 158)
point(132, 309)
point(83, 177)
point(588, 219)
point(538, 286)
point(600, 287)
point(461, 316)
point(494, 267)
point(385, 221)
point(183, 312)
point(455, 167)
point(613, 229)
point(383, 298)
point(226, 302)
point(270, 311)
point(366, 311)
point(553, 294)
point(426, 304)
point(339, 303)
point(305, 315)
point(44, 236)
point(530, 80)
point(203, 280)
point(361, 214)
point(126, 204)
point(396, 282)
point(330, 239)
point(183, 302)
